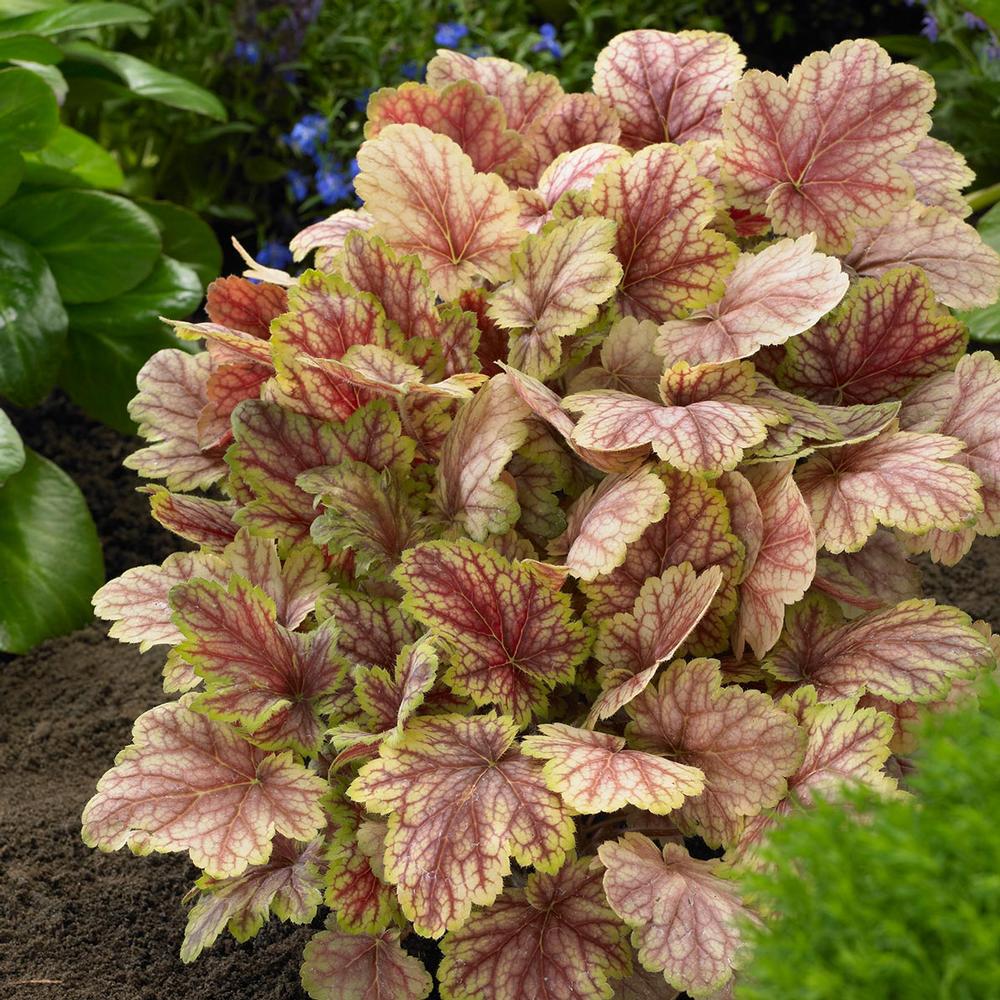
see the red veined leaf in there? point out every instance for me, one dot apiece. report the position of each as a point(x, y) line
point(684, 915)
point(909, 652)
point(339, 966)
point(471, 489)
point(963, 270)
point(706, 420)
point(606, 519)
point(632, 646)
point(512, 632)
point(595, 773)
point(373, 630)
point(208, 523)
point(461, 110)
point(880, 567)
point(328, 235)
point(226, 344)
point(226, 388)
point(899, 479)
point(672, 262)
point(448, 777)
point(553, 939)
point(668, 87)
point(785, 563)
point(744, 745)
point(189, 783)
point(289, 885)
point(628, 361)
point(820, 151)
point(745, 516)
point(939, 173)
point(560, 278)
point(172, 394)
point(695, 529)
point(427, 199)
point(770, 297)
point(390, 701)
point(541, 469)
point(270, 680)
point(643, 985)
point(241, 305)
point(886, 336)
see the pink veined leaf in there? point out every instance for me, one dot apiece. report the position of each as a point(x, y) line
point(880, 567)
point(511, 630)
point(271, 681)
point(241, 305)
point(555, 938)
point(373, 630)
point(673, 263)
point(770, 297)
point(289, 885)
point(820, 151)
point(208, 523)
point(743, 744)
point(339, 966)
point(746, 519)
point(189, 783)
point(450, 775)
point(963, 271)
point(462, 111)
point(225, 344)
point(329, 234)
point(695, 529)
point(964, 404)
point(632, 646)
point(427, 199)
point(628, 361)
point(227, 387)
point(707, 419)
point(939, 173)
point(887, 336)
point(542, 469)
point(909, 652)
point(606, 519)
point(785, 563)
point(560, 279)
point(472, 490)
point(596, 773)
point(668, 87)
point(683, 913)
point(899, 479)
point(172, 394)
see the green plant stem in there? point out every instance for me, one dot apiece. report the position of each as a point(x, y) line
point(984, 197)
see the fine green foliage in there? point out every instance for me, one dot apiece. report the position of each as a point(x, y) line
point(901, 901)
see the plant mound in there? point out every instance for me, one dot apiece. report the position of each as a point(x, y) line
point(560, 516)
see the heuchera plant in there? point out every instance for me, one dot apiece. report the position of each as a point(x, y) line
point(562, 516)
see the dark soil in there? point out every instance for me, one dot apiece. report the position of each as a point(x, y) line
point(79, 925)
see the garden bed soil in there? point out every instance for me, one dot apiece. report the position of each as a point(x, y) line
point(79, 925)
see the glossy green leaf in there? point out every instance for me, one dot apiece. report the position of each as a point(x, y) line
point(33, 331)
point(98, 245)
point(29, 114)
point(79, 155)
point(32, 48)
point(75, 17)
point(50, 556)
point(11, 173)
point(186, 238)
point(11, 449)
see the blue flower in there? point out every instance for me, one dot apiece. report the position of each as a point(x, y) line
point(930, 27)
point(973, 22)
point(361, 101)
point(993, 48)
point(352, 168)
point(450, 33)
point(478, 51)
point(333, 184)
point(548, 42)
point(308, 134)
point(274, 254)
point(299, 184)
point(247, 52)
point(412, 70)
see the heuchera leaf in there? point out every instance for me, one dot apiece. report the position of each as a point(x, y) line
point(661, 206)
point(887, 336)
point(242, 305)
point(880, 567)
point(909, 652)
point(553, 939)
point(706, 420)
point(668, 87)
point(628, 361)
point(939, 173)
point(339, 966)
point(770, 296)
point(427, 199)
point(189, 783)
point(684, 915)
point(595, 773)
point(560, 278)
point(289, 885)
point(208, 523)
point(744, 745)
point(511, 630)
point(899, 479)
point(820, 151)
point(328, 235)
point(373, 630)
point(461, 800)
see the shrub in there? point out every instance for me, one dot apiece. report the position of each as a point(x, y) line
point(564, 519)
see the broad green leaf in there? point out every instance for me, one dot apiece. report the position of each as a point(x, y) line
point(984, 324)
point(33, 331)
point(29, 114)
point(11, 449)
point(52, 77)
point(98, 245)
point(75, 17)
point(31, 48)
point(79, 155)
point(152, 83)
point(11, 173)
point(186, 238)
point(50, 556)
